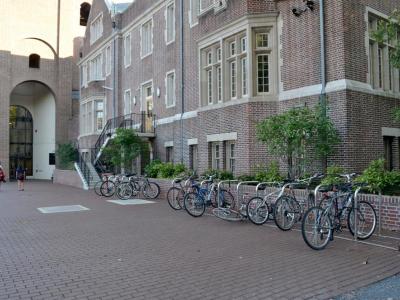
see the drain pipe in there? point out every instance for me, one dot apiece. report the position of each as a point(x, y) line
point(323, 57)
point(182, 61)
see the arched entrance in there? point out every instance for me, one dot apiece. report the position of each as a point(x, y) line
point(32, 130)
point(21, 140)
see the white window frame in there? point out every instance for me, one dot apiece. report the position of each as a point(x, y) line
point(168, 39)
point(232, 49)
point(220, 89)
point(209, 87)
point(194, 14)
point(96, 110)
point(216, 161)
point(127, 50)
point(233, 79)
point(173, 103)
point(229, 157)
point(262, 33)
point(96, 32)
point(244, 76)
point(269, 74)
point(108, 60)
point(142, 27)
point(127, 102)
point(84, 79)
point(96, 68)
point(243, 44)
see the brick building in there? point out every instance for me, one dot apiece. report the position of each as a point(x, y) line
point(241, 61)
point(39, 81)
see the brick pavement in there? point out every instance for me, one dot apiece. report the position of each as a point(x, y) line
point(151, 252)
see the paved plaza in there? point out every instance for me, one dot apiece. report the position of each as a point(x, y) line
point(148, 251)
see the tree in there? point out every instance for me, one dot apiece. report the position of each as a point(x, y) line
point(124, 148)
point(290, 134)
point(66, 155)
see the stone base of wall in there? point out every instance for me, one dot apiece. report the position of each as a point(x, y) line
point(389, 205)
point(67, 177)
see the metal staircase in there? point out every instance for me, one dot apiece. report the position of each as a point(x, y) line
point(144, 125)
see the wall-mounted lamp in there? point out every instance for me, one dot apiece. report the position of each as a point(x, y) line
point(309, 5)
point(158, 92)
point(134, 100)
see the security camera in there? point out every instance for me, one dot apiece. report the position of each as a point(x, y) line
point(310, 4)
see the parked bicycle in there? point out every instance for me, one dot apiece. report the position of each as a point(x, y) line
point(320, 222)
point(206, 195)
point(176, 193)
point(288, 210)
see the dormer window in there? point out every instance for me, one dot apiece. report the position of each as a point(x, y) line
point(34, 61)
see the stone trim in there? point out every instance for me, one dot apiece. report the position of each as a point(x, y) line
point(220, 137)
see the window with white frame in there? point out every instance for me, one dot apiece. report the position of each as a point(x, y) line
point(84, 75)
point(194, 12)
point(262, 60)
point(219, 54)
point(170, 23)
point(89, 115)
point(243, 44)
point(382, 75)
point(108, 60)
point(127, 102)
point(170, 87)
point(99, 115)
point(243, 63)
point(147, 38)
point(231, 155)
point(232, 48)
point(216, 156)
point(169, 154)
point(209, 86)
point(127, 50)
point(96, 68)
point(96, 28)
point(219, 84)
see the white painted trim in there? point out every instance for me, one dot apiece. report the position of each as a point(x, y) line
point(169, 144)
point(387, 131)
point(220, 137)
point(166, 23)
point(177, 117)
point(127, 64)
point(192, 141)
point(152, 37)
point(92, 41)
point(166, 89)
point(84, 183)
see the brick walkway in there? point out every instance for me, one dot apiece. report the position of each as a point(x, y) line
point(150, 252)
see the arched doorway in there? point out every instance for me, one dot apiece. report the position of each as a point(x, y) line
point(32, 130)
point(21, 140)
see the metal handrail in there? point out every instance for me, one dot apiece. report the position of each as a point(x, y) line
point(266, 184)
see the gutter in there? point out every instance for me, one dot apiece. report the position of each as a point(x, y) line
point(182, 61)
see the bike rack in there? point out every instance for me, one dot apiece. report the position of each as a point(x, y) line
point(240, 184)
point(221, 183)
point(267, 184)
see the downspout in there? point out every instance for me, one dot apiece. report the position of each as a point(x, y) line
point(182, 61)
point(114, 79)
point(323, 57)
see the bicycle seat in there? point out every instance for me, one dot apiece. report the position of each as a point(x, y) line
point(178, 180)
point(130, 174)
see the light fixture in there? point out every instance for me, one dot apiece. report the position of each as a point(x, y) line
point(297, 11)
point(158, 92)
point(134, 100)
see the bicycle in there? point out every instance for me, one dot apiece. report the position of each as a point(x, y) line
point(97, 186)
point(176, 194)
point(150, 189)
point(108, 187)
point(320, 222)
point(288, 210)
point(195, 203)
point(258, 208)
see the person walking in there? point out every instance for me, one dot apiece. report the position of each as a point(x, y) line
point(2, 175)
point(20, 175)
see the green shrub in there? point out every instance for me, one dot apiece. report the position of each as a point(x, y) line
point(153, 168)
point(167, 170)
point(225, 175)
point(66, 155)
point(211, 172)
point(247, 178)
point(180, 170)
point(377, 177)
point(271, 174)
point(332, 177)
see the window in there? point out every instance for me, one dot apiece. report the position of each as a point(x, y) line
point(127, 102)
point(216, 156)
point(262, 74)
point(83, 75)
point(209, 87)
point(243, 44)
point(380, 67)
point(219, 84)
point(232, 48)
point(261, 40)
point(34, 61)
point(52, 159)
point(231, 156)
point(194, 12)
point(233, 79)
point(244, 75)
point(89, 115)
point(96, 28)
point(96, 70)
point(108, 60)
point(147, 38)
point(193, 157)
point(388, 149)
point(170, 23)
point(170, 86)
point(209, 58)
point(127, 50)
point(99, 115)
point(219, 54)
point(169, 151)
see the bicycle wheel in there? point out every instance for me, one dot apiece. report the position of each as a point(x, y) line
point(226, 199)
point(316, 228)
point(107, 188)
point(194, 204)
point(257, 210)
point(97, 188)
point(135, 188)
point(286, 213)
point(227, 214)
point(151, 190)
point(174, 196)
point(124, 191)
point(366, 220)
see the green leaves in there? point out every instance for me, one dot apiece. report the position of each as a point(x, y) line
point(124, 147)
point(66, 155)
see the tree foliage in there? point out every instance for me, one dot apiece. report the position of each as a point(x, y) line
point(290, 134)
point(124, 148)
point(66, 155)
